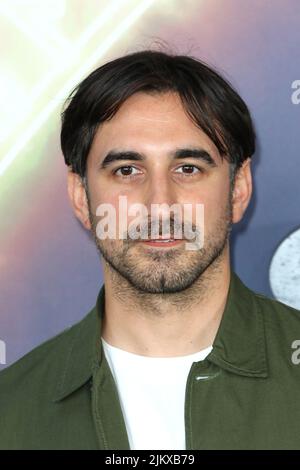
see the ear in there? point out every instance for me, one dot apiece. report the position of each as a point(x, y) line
point(242, 191)
point(78, 198)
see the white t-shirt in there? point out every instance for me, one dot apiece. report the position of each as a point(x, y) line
point(152, 396)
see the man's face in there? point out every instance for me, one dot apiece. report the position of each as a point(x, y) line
point(155, 127)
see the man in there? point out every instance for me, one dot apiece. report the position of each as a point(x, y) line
point(178, 353)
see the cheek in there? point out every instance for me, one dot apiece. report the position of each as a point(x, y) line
point(118, 204)
point(215, 204)
point(103, 193)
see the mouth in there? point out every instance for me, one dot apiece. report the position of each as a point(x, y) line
point(162, 242)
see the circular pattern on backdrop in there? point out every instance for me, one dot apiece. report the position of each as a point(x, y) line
point(284, 271)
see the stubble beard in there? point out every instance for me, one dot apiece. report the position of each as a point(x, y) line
point(166, 271)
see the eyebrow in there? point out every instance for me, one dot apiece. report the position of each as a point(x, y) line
point(181, 153)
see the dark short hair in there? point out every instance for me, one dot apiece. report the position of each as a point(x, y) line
point(209, 99)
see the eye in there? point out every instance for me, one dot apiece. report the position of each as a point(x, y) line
point(126, 171)
point(188, 170)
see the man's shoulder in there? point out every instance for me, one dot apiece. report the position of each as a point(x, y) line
point(31, 387)
point(270, 304)
point(274, 316)
point(280, 320)
point(40, 365)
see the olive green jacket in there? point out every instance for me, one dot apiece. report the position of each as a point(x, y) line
point(244, 395)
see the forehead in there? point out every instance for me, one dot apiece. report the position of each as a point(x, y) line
point(151, 120)
point(162, 107)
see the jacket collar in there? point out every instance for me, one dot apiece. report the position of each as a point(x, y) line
point(82, 351)
point(239, 345)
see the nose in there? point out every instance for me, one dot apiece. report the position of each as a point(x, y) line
point(160, 191)
point(160, 197)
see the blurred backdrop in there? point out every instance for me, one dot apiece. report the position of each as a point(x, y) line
point(50, 272)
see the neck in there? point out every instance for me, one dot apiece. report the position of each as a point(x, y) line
point(165, 325)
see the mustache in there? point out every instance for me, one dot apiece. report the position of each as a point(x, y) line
point(157, 228)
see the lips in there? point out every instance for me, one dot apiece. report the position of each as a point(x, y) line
point(162, 240)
